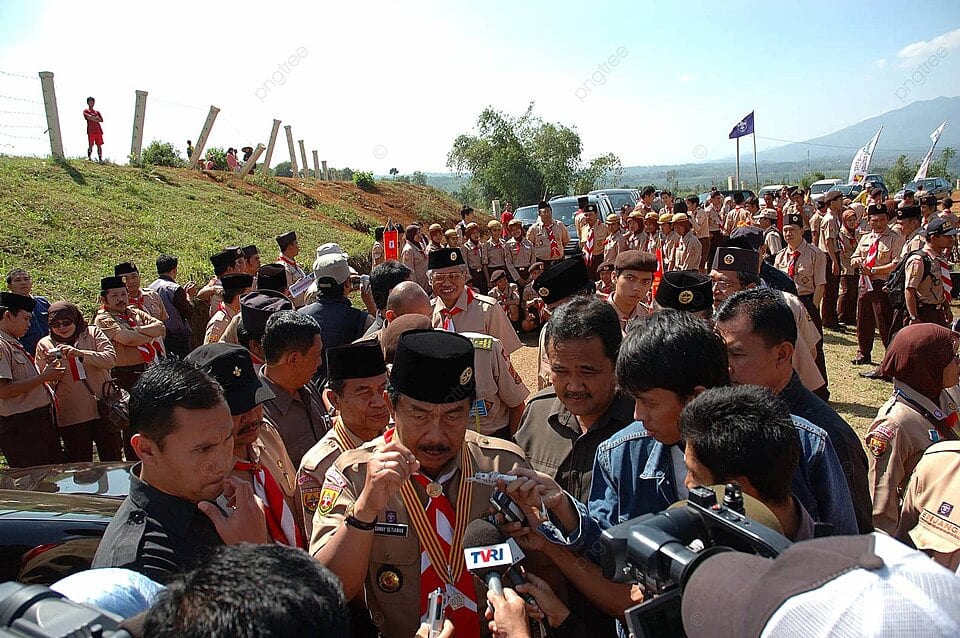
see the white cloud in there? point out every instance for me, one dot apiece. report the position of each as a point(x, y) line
point(917, 52)
point(881, 63)
point(687, 77)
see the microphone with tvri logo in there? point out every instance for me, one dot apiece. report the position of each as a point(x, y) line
point(493, 559)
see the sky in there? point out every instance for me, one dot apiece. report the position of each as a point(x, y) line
point(378, 85)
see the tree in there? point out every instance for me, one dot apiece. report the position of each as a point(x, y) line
point(941, 166)
point(394, 172)
point(900, 173)
point(283, 169)
point(523, 159)
point(419, 178)
point(602, 172)
point(162, 154)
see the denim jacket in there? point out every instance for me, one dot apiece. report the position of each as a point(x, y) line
point(633, 475)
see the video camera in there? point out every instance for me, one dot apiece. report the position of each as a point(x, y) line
point(661, 551)
point(35, 611)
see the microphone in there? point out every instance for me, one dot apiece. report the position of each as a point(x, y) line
point(492, 558)
point(486, 555)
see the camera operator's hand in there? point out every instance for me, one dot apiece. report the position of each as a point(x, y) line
point(246, 522)
point(387, 470)
point(548, 605)
point(509, 620)
point(446, 632)
point(54, 370)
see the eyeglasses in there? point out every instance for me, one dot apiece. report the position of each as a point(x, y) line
point(62, 323)
point(447, 276)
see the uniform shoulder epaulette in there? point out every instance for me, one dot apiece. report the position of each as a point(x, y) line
point(482, 342)
point(316, 454)
point(491, 443)
point(943, 446)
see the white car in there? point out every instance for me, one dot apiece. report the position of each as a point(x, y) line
point(821, 187)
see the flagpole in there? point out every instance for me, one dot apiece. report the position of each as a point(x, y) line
point(756, 167)
point(738, 164)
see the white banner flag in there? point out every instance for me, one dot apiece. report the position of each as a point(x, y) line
point(925, 164)
point(861, 161)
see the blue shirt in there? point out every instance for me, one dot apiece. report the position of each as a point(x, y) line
point(633, 475)
point(38, 326)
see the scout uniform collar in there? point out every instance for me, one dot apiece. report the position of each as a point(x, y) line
point(345, 437)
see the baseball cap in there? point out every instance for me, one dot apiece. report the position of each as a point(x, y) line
point(941, 226)
point(836, 586)
point(231, 366)
point(767, 213)
point(330, 264)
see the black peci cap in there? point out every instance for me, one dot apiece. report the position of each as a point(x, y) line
point(15, 303)
point(909, 212)
point(271, 277)
point(749, 237)
point(231, 366)
point(449, 358)
point(250, 251)
point(223, 260)
point(236, 281)
point(109, 283)
point(285, 239)
point(792, 219)
point(444, 258)
point(359, 360)
point(256, 307)
point(125, 268)
point(688, 290)
point(561, 280)
point(736, 259)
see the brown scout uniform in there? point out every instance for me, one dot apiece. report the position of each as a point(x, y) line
point(294, 274)
point(540, 239)
point(930, 519)
point(314, 466)
point(518, 257)
point(31, 411)
point(151, 304)
point(669, 249)
point(810, 270)
point(472, 255)
point(499, 386)
point(300, 418)
point(913, 241)
point(928, 286)
point(392, 586)
point(897, 439)
point(688, 253)
point(493, 253)
point(640, 310)
point(268, 451)
point(772, 242)
point(613, 245)
point(482, 314)
point(218, 324)
point(76, 403)
point(414, 258)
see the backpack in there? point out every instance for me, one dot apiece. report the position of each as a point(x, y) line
point(896, 282)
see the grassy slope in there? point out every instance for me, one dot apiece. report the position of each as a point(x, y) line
point(69, 223)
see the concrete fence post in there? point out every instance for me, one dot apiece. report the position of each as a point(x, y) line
point(250, 163)
point(204, 134)
point(265, 168)
point(53, 116)
point(326, 171)
point(303, 159)
point(316, 166)
point(294, 170)
point(139, 113)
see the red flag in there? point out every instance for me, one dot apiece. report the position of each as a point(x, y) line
point(391, 240)
point(658, 275)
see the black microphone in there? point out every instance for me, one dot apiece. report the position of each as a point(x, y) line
point(492, 558)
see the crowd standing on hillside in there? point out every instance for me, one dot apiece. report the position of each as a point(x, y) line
point(676, 348)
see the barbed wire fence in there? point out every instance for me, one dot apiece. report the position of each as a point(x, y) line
point(22, 118)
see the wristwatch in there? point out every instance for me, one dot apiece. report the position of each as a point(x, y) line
point(353, 521)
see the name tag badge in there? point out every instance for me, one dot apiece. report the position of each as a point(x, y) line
point(390, 529)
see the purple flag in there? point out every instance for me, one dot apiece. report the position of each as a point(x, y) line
point(743, 127)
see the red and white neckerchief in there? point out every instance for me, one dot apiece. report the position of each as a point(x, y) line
point(77, 371)
point(148, 351)
point(138, 300)
point(440, 528)
point(286, 260)
point(280, 522)
point(946, 278)
point(447, 314)
point(475, 247)
point(588, 246)
point(869, 262)
point(554, 247)
point(610, 241)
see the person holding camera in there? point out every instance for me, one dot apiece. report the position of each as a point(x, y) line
point(89, 356)
point(28, 434)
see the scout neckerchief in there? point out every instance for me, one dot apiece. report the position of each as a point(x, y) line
point(447, 314)
point(554, 247)
point(440, 529)
point(138, 300)
point(588, 246)
point(280, 522)
point(865, 283)
point(148, 351)
point(47, 386)
point(945, 278)
point(792, 268)
point(292, 263)
point(943, 424)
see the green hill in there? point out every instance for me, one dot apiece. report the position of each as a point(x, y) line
point(68, 223)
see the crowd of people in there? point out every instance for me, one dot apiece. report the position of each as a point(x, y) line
point(676, 349)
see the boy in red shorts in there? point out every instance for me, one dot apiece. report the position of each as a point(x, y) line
point(94, 132)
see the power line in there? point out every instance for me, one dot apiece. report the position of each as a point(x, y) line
point(846, 148)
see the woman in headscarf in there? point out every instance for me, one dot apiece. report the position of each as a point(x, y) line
point(89, 356)
point(922, 361)
point(414, 257)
